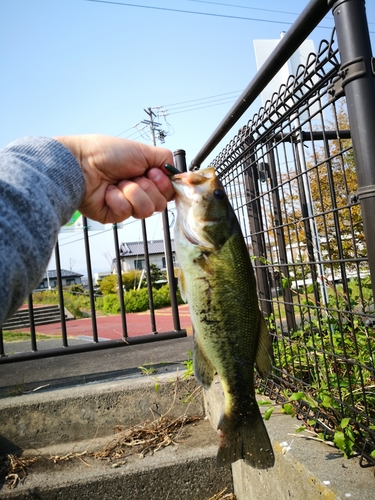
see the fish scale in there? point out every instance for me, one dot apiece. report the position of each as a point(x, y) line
point(230, 335)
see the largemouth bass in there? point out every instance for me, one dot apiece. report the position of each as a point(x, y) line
point(230, 334)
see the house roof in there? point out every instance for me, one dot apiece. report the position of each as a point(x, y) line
point(136, 248)
point(64, 274)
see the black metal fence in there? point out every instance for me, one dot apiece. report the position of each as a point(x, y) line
point(300, 177)
point(71, 345)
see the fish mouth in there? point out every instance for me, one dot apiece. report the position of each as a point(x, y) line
point(194, 178)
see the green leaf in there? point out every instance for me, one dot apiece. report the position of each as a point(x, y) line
point(263, 402)
point(288, 409)
point(268, 413)
point(327, 401)
point(344, 423)
point(297, 396)
point(301, 429)
point(372, 454)
point(339, 440)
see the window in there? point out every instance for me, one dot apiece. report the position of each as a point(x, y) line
point(139, 264)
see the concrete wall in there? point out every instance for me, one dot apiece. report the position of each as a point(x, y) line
point(304, 470)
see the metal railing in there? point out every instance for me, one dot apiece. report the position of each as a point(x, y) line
point(96, 343)
point(301, 179)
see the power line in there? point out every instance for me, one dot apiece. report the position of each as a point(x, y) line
point(200, 99)
point(104, 231)
point(124, 132)
point(196, 12)
point(200, 107)
point(219, 101)
point(246, 7)
point(251, 8)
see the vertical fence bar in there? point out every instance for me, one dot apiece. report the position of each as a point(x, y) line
point(180, 161)
point(358, 69)
point(119, 282)
point(90, 281)
point(2, 352)
point(287, 294)
point(32, 323)
point(148, 275)
point(61, 295)
point(254, 210)
point(170, 271)
point(306, 209)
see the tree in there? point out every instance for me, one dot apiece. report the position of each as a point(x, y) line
point(332, 183)
point(332, 180)
point(108, 284)
point(156, 274)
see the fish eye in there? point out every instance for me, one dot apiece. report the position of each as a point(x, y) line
point(219, 194)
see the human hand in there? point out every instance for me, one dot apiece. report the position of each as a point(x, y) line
point(122, 178)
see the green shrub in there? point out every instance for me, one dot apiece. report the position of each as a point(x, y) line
point(46, 297)
point(136, 300)
point(111, 304)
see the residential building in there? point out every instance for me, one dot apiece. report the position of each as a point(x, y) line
point(132, 255)
point(67, 277)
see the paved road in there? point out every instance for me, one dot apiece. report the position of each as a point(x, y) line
point(73, 369)
point(110, 327)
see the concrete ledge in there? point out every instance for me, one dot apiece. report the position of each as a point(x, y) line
point(309, 470)
point(184, 471)
point(91, 411)
point(71, 420)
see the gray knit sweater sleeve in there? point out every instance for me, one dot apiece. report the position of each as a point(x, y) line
point(41, 184)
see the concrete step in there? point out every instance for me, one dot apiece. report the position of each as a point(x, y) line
point(42, 315)
point(84, 418)
point(186, 470)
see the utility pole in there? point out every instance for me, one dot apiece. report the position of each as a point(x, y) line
point(167, 238)
point(154, 127)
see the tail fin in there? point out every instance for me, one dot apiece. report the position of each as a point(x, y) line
point(247, 440)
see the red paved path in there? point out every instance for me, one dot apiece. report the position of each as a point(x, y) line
point(110, 327)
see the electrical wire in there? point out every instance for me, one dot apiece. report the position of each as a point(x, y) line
point(200, 99)
point(124, 132)
point(200, 107)
point(191, 105)
point(218, 101)
point(249, 8)
point(245, 7)
point(104, 231)
point(271, 21)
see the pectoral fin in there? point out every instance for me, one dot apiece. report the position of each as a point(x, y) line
point(204, 372)
point(264, 351)
point(182, 285)
point(204, 262)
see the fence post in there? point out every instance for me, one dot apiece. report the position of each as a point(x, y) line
point(280, 238)
point(254, 211)
point(358, 82)
point(119, 283)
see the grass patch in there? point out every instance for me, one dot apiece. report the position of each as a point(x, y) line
point(9, 336)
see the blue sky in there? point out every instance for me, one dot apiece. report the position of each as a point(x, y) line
point(78, 66)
